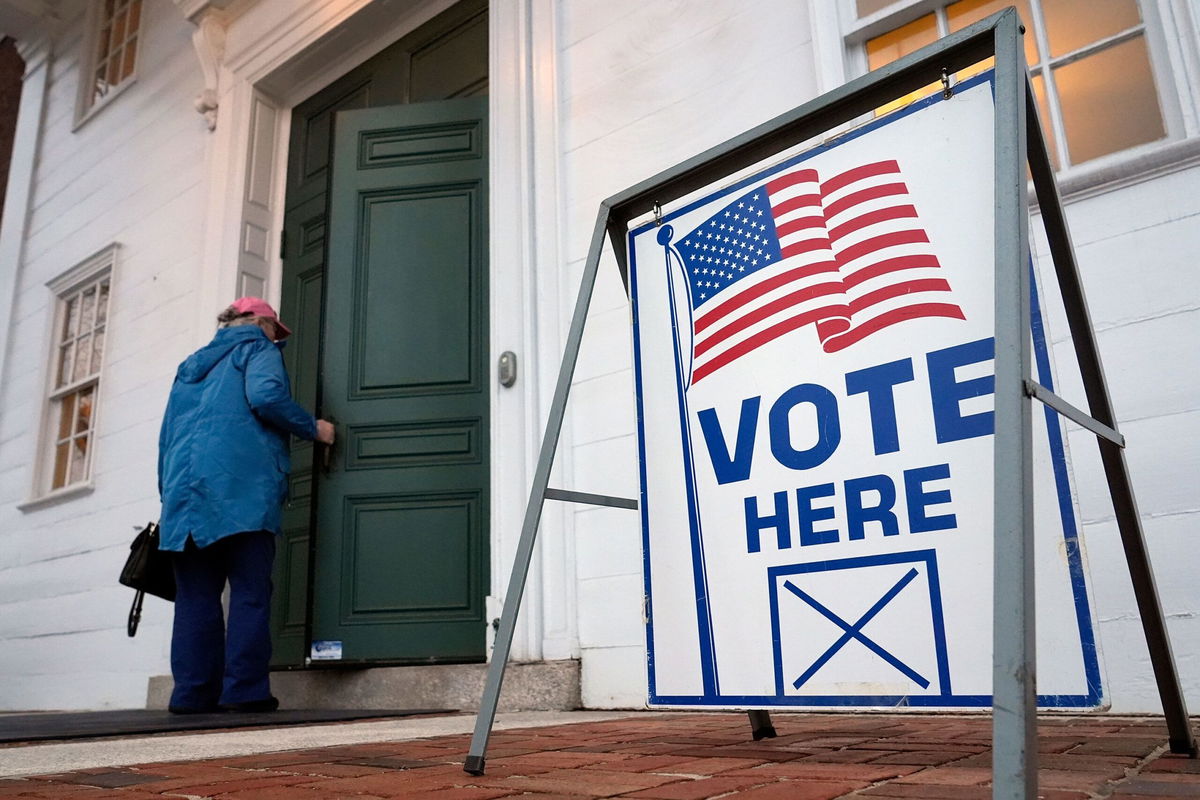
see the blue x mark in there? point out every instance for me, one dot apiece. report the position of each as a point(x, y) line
point(855, 631)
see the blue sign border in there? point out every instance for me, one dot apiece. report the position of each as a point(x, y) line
point(712, 696)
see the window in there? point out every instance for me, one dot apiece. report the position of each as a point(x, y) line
point(111, 51)
point(1090, 61)
point(80, 323)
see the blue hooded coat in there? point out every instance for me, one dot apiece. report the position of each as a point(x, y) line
point(223, 450)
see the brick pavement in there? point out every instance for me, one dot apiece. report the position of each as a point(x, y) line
point(675, 757)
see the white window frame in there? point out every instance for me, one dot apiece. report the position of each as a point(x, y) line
point(86, 106)
point(1173, 61)
point(91, 271)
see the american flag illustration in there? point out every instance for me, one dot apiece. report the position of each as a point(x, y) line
point(846, 255)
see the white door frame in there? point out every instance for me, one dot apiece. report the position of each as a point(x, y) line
point(276, 53)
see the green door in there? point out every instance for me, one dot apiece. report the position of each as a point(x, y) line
point(443, 60)
point(402, 504)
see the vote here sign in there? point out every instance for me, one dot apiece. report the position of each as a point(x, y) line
point(814, 358)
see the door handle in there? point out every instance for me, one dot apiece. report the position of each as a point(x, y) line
point(327, 449)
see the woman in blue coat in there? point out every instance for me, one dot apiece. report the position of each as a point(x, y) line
point(222, 471)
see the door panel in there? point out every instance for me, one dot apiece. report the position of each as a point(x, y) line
point(401, 512)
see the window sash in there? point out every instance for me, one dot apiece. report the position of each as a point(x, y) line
point(81, 320)
point(111, 57)
point(862, 29)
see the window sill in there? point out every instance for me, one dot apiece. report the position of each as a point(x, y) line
point(57, 496)
point(1080, 183)
point(98, 106)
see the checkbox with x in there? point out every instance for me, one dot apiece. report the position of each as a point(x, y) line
point(874, 621)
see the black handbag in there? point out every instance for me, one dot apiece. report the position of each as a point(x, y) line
point(147, 569)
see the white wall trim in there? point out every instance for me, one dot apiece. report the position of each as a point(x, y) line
point(26, 145)
point(526, 316)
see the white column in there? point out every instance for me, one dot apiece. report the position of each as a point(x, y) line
point(26, 140)
point(527, 318)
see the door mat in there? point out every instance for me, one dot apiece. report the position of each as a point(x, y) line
point(89, 724)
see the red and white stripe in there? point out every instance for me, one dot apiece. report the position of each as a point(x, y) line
point(887, 267)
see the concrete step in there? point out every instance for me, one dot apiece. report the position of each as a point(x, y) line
point(532, 686)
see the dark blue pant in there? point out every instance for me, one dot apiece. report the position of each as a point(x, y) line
point(211, 664)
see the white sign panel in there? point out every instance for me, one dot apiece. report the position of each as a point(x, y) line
point(813, 352)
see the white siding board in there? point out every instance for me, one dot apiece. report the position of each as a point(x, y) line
point(608, 543)
point(613, 616)
point(1163, 464)
point(614, 677)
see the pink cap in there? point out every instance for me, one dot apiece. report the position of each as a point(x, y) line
point(261, 308)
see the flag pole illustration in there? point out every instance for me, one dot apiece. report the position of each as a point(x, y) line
point(683, 378)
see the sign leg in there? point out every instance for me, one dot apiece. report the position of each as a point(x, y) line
point(1116, 471)
point(1014, 689)
point(475, 760)
point(761, 726)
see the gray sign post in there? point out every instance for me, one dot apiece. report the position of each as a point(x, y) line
point(1016, 128)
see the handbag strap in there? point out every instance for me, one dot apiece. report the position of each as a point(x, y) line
point(135, 613)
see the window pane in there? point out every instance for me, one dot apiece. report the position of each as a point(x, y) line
point(82, 362)
point(71, 318)
point(898, 43)
point(103, 44)
point(83, 419)
point(135, 15)
point(964, 12)
point(118, 30)
point(66, 416)
point(130, 57)
point(114, 70)
point(66, 364)
point(102, 306)
point(62, 454)
point(1039, 90)
point(868, 7)
point(88, 320)
point(97, 350)
point(1071, 24)
point(903, 40)
point(1108, 101)
point(79, 459)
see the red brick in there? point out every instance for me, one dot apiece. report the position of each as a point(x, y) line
point(798, 790)
point(1078, 781)
point(895, 791)
point(1171, 762)
point(809, 770)
point(1156, 788)
point(636, 763)
point(592, 783)
point(922, 758)
point(556, 759)
point(949, 776)
point(334, 770)
point(705, 766)
point(286, 793)
point(1119, 746)
point(700, 789)
point(244, 782)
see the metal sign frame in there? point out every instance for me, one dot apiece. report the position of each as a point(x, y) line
point(1014, 728)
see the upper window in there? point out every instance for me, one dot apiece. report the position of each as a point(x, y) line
point(81, 320)
point(1090, 63)
point(112, 50)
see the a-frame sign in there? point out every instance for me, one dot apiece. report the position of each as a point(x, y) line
point(803, 247)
